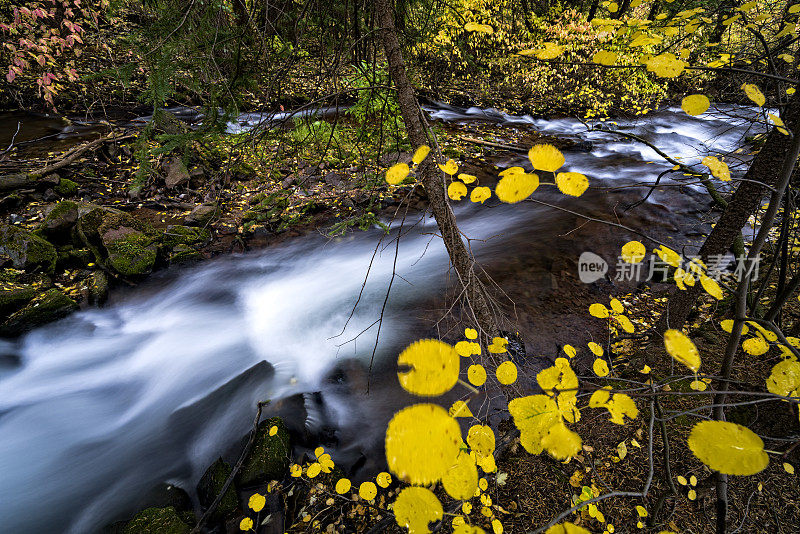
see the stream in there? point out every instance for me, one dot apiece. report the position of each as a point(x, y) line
point(99, 408)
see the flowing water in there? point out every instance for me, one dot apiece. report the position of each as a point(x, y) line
point(99, 408)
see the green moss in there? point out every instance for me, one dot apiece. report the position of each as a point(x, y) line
point(47, 307)
point(12, 300)
point(156, 521)
point(131, 255)
point(26, 250)
point(66, 188)
point(210, 486)
point(186, 235)
point(183, 254)
point(269, 458)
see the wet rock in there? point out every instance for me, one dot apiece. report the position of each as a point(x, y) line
point(98, 288)
point(12, 300)
point(70, 257)
point(156, 521)
point(269, 457)
point(183, 254)
point(210, 486)
point(165, 496)
point(45, 308)
point(130, 253)
point(26, 250)
point(59, 221)
point(177, 173)
point(66, 188)
point(201, 215)
point(186, 235)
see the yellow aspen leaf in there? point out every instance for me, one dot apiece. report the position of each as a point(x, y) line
point(422, 442)
point(516, 187)
point(273, 430)
point(682, 480)
point(434, 367)
point(456, 190)
point(511, 170)
point(467, 178)
point(599, 398)
point(533, 416)
point(754, 93)
point(572, 183)
point(561, 442)
point(461, 480)
point(546, 158)
point(480, 439)
point(598, 310)
point(256, 502)
point(769, 335)
point(613, 7)
point(680, 278)
point(692, 494)
point(367, 491)
point(645, 370)
point(729, 448)
point(666, 65)
point(719, 169)
point(711, 286)
point(755, 346)
point(467, 529)
point(549, 51)
point(567, 528)
point(596, 349)
point(570, 351)
point(466, 508)
point(450, 167)
point(506, 373)
point(296, 470)
point(497, 526)
point(487, 463)
point(778, 122)
point(633, 252)
point(383, 479)
point(642, 511)
point(727, 326)
point(785, 379)
point(483, 485)
point(313, 470)
point(246, 524)
point(605, 57)
point(397, 173)
point(698, 385)
point(668, 256)
point(695, 104)
point(617, 306)
point(693, 480)
point(625, 323)
point(343, 485)
point(480, 194)
point(470, 333)
point(476, 374)
point(479, 28)
point(459, 409)
point(420, 154)
point(600, 367)
point(415, 508)
point(789, 468)
point(794, 9)
point(680, 347)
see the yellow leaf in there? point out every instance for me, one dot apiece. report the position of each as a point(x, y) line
point(616, 305)
point(450, 167)
point(692, 494)
point(570, 351)
point(645, 370)
point(633, 252)
point(711, 286)
point(515, 187)
point(680, 347)
point(273, 430)
point(785, 379)
point(415, 508)
point(682, 480)
point(511, 170)
point(567, 528)
point(480, 194)
point(460, 409)
point(434, 367)
point(367, 491)
point(549, 51)
point(506, 373)
point(625, 323)
point(343, 485)
point(397, 173)
point(561, 442)
point(695, 104)
point(461, 480)
point(296, 470)
point(698, 385)
point(533, 416)
point(596, 349)
point(467, 529)
point(727, 326)
point(789, 468)
point(572, 183)
point(420, 154)
point(497, 526)
point(755, 346)
point(666, 65)
point(728, 448)
point(246, 524)
point(480, 28)
point(546, 158)
point(383, 479)
point(754, 93)
point(719, 169)
point(467, 178)
point(456, 190)
point(668, 256)
point(480, 439)
point(598, 310)
point(313, 470)
point(470, 333)
point(600, 367)
point(256, 502)
point(422, 442)
point(605, 57)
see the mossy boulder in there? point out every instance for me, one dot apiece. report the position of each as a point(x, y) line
point(26, 250)
point(269, 457)
point(66, 188)
point(186, 235)
point(98, 288)
point(130, 253)
point(59, 220)
point(183, 254)
point(202, 215)
point(210, 486)
point(156, 521)
point(12, 300)
point(45, 308)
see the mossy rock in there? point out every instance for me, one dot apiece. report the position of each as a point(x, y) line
point(66, 188)
point(60, 219)
point(26, 250)
point(12, 300)
point(133, 254)
point(210, 486)
point(98, 288)
point(186, 235)
point(156, 521)
point(269, 457)
point(184, 254)
point(45, 308)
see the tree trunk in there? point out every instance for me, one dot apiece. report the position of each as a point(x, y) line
point(593, 10)
point(432, 177)
point(743, 203)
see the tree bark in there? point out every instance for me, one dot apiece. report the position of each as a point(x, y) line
point(432, 177)
point(747, 198)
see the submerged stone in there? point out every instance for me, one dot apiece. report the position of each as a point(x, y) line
point(210, 486)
